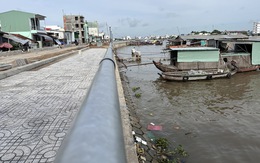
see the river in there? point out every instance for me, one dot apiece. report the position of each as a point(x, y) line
point(216, 121)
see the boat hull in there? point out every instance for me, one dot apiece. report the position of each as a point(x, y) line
point(164, 68)
point(248, 69)
point(184, 76)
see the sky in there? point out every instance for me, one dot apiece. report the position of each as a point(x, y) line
point(148, 17)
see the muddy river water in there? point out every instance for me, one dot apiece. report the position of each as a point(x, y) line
point(216, 121)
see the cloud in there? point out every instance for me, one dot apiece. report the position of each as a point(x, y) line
point(172, 15)
point(131, 22)
point(145, 25)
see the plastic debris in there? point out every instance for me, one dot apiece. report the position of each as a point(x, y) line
point(144, 142)
point(143, 158)
point(139, 149)
point(150, 135)
point(138, 139)
point(152, 123)
point(154, 127)
point(133, 132)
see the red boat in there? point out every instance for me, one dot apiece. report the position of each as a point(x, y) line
point(247, 69)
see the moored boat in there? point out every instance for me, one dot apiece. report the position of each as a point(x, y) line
point(247, 69)
point(190, 58)
point(194, 75)
point(164, 67)
point(186, 57)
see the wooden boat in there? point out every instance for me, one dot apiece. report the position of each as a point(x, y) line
point(194, 75)
point(247, 69)
point(158, 42)
point(164, 67)
point(190, 58)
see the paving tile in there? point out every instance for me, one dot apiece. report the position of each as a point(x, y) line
point(37, 107)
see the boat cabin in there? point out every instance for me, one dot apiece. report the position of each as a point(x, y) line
point(245, 53)
point(194, 58)
point(203, 40)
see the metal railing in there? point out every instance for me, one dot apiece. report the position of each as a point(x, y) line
point(97, 135)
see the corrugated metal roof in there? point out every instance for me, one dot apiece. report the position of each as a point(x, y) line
point(16, 39)
point(253, 38)
point(211, 37)
point(22, 37)
point(194, 49)
point(42, 17)
point(46, 37)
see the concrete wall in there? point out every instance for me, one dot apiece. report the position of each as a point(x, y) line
point(197, 65)
point(120, 44)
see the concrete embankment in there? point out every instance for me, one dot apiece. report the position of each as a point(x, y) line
point(142, 150)
point(120, 44)
point(26, 61)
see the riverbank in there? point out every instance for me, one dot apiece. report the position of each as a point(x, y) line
point(144, 148)
point(148, 146)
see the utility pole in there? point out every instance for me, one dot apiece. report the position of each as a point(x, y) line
point(9, 36)
point(178, 30)
point(111, 35)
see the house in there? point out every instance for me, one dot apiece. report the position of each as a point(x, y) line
point(57, 33)
point(17, 41)
point(256, 28)
point(204, 40)
point(26, 24)
point(75, 25)
point(93, 30)
point(1, 37)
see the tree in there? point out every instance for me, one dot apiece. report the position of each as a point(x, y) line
point(215, 32)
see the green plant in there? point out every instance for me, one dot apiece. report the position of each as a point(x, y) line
point(138, 95)
point(180, 151)
point(169, 156)
point(162, 143)
point(134, 89)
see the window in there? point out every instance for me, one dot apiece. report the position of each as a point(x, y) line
point(33, 25)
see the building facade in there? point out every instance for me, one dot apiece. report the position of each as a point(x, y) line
point(256, 28)
point(75, 24)
point(58, 33)
point(86, 32)
point(26, 24)
point(93, 31)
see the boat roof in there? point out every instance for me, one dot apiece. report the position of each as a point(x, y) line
point(194, 49)
point(211, 37)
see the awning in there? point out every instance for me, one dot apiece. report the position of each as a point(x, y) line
point(46, 37)
point(57, 41)
point(6, 45)
point(16, 39)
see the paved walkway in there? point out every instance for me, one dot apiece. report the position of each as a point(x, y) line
point(37, 107)
point(35, 55)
